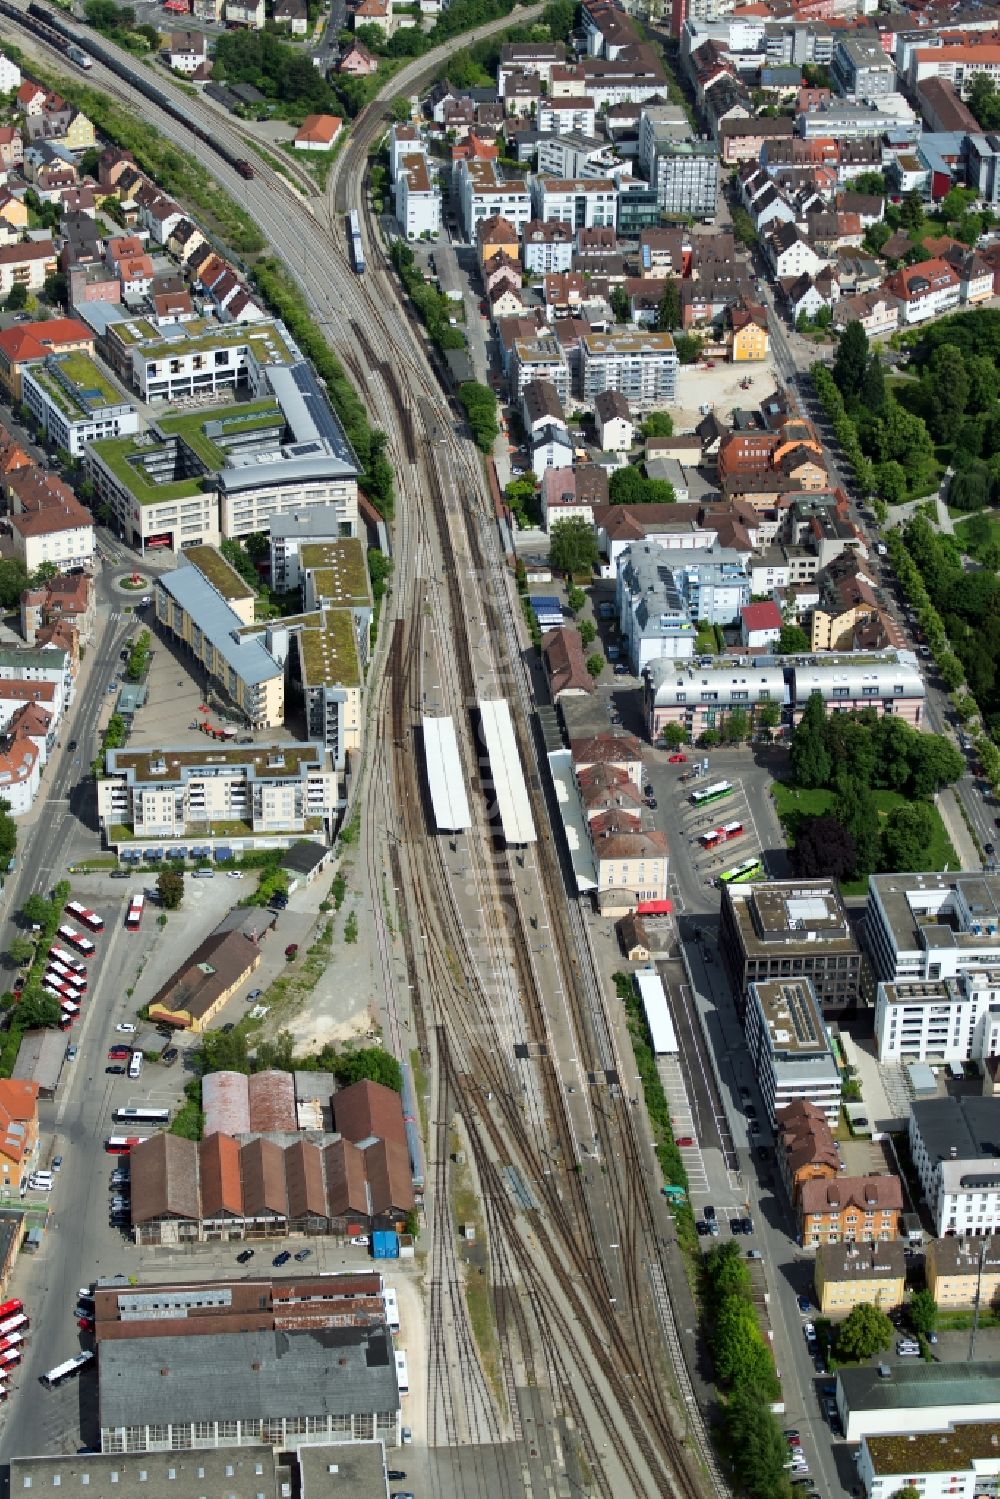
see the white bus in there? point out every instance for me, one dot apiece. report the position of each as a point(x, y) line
point(77, 939)
point(391, 1309)
point(68, 1369)
point(142, 1116)
point(60, 955)
point(402, 1377)
point(79, 912)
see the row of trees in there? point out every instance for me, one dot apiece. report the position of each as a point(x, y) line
point(480, 407)
point(744, 1369)
point(888, 447)
point(229, 1052)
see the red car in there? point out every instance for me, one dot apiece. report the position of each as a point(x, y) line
point(87, 1323)
point(291, 949)
point(677, 759)
point(684, 1140)
point(116, 1053)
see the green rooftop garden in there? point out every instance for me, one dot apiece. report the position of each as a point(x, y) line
point(339, 568)
point(249, 416)
point(329, 650)
point(267, 339)
point(86, 380)
point(116, 453)
point(210, 561)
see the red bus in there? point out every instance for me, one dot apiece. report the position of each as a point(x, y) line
point(90, 919)
point(59, 970)
point(62, 988)
point(60, 955)
point(121, 1144)
point(10, 1356)
point(133, 921)
point(8, 1308)
point(19, 1323)
point(722, 834)
point(78, 940)
point(13, 1341)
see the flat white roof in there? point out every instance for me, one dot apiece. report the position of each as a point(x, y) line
point(658, 1018)
point(573, 820)
point(444, 776)
point(509, 785)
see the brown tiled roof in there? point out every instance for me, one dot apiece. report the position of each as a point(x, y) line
point(345, 1179)
point(632, 845)
point(610, 748)
point(262, 1166)
point(870, 1193)
point(227, 957)
point(304, 1178)
point(366, 1109)
point(806, 1138)
point(221, 1184)
point(387, 1165)
point(272, 1101)
point(565, 661)
point(164, 1172)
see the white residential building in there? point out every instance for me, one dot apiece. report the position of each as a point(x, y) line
point(10, 75)
point(584, 202)
point(404, 140)
point(541, 358)
point(684, 172)
point(959, 1462)
point(74, 403)
point(950, 1020)
point(789, 1045)
point(928, 927)
point(483, 192)
point(546, 248)
point(564, 116)
point(954, 1151)
point(640, 366)
point(418, 203)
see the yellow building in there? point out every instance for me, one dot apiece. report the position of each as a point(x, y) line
point(954, 1267)
point(80, 134)
point(749, 340)
point(196, 993)
point(849, 1275)
point(835, 632)
point(14, 211)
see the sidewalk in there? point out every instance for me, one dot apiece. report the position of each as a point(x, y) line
point(954, 822)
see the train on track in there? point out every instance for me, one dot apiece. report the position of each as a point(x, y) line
point(354, 241)
point(52, 29)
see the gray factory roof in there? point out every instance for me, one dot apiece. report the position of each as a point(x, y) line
point(237, 1472)
point(220, 624)
point(307, 410)
point(920, 1385)
point(330, 1371)
point(312, 523)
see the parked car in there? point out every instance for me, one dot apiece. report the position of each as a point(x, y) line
point(360, 1241)
point(71, 1052)
point(244, 1256)
point(683, 1141)
point(303, 1254)
point(282, 1258)
point(255, 994)
point(116, 1068)
point(677, 759)
point(169, 1057)
point(126, 1028)
point(116, 1051)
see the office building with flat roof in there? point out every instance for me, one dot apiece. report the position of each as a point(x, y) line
point(962, 1461)
point(75, 403)
point(926, 927)
point(947, 1020)
point(884, 1399)
point(789, 929)
point(956, 1155)
point(641, 366)
point(790, 1048)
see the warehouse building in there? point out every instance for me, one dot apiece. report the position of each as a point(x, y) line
point(241, 1304)
point(252, 1471)
point(334, 1384)
point(882, 1399)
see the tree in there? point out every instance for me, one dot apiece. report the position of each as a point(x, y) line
point(736, 727)
point(740, 1355)
point(170, 888)
point(13, 581)
point(17, 298)
point(401, 108)
point(573, 546)
point(956, 202)
point(984, 382)
point(37, 1010)
point(906, 838)
point(726, 1274)
point(21, 950)
point(811, 763)
point(595, 664)
point(823, 846)
point(872, 393)
point(658, 424)
point(669, 316)
point(851, 361)
point(949, 384)
point(628, 487)
point(588, 631)
point(984, 102)
point(224, 1051)
point(370, 1062)
point(480, 406)
point(876, 236)
point(37, 910)
point(934, 762)
point(890, 481)
point(620, 304)
point(792, 641)
point(923, 1312)
point(865, 1331)
point(235, 555)
point(756, 1444)
point(689, 345)
point(674, 735)
point(911, 215)
point(576, 599)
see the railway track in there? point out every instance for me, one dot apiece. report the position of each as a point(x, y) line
point(551, 1291)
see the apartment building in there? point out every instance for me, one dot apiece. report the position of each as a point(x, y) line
point(274, 792)
point(540, 358)
point(926, 290)
point(482, 192)
point(960, 64)
point(960, 1462)
point(545, 248)
point(74, 403)
point(948, 1020)
point(743, 138)
point(790, 929)
point(953, 1146)
point(26, 343)
point(711, 584)
point(640, 366)
point(861, 69)
point(196, 357)
point(850, 1210)
point(566, 116)
point(583, 202)
point(418, 202)
point(27, 264)
point(790, 1048)
point(888, 681)
point(47, 523)
point(804, 1147)
point(848, 1275)
point(928, 927)
point(962, 1271)
point(318, 525)
point(686, 177)
point(574, 155)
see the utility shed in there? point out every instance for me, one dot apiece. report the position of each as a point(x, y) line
point(40, 1060)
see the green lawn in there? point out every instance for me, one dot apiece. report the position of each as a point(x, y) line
point(962, 526)
point(792, 804)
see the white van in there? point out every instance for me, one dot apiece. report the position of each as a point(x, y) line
point(135, 1064)
point(956, 1071)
